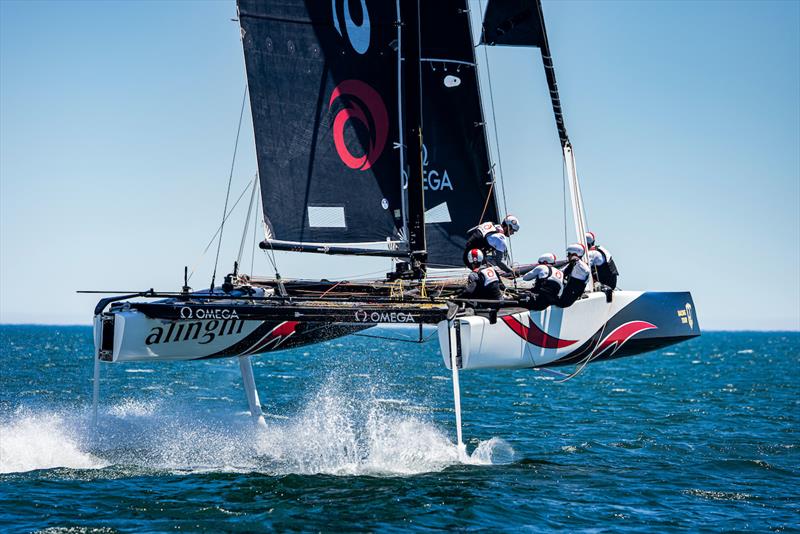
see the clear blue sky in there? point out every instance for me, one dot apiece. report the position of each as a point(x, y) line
point(117, 123)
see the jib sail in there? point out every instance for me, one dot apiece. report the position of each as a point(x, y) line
point(323, 88)
point(456, 168)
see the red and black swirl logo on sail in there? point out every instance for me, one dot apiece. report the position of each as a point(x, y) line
point(361, 104)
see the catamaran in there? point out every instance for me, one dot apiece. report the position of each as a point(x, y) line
point(371, 140)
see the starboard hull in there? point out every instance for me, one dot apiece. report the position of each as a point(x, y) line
point(590, 330)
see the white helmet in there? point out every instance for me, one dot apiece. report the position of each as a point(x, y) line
point(577, 249)
point(590, 239)
point(548, 258)
point(475, 256)
point(511, 222)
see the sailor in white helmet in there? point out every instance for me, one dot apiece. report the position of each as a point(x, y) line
point(492, 240)
point(576, 274)
point(603, 266)
point(482, 282)
point(548, 285)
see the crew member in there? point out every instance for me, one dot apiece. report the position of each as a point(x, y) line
point(483, 282)
point(603, 267)
point(491, 239)
point(548, 285)
point(576, 274)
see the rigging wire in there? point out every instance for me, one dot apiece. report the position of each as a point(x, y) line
point(494, 115)
point(496, 135)
point(247, 221)
point(255, 232)
point(228, 193)
point(580, 366)
point(211, 241)
point(564, 196)
point(405, 340)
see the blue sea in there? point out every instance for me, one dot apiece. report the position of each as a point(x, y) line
point(701, 436)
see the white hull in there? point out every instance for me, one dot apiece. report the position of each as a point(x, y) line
point(591, 328)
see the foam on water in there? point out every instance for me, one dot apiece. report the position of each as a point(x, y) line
point(30, 441)
point(334, 433)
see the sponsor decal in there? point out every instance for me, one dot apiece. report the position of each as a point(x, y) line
point(686, 315)
point(434, 179)
point(202, 313)
point(620, 335)
point(357, 34)
point(364, 105)
point(452, 81)
point(535, 335)
point(363, 316)
point(202, 332)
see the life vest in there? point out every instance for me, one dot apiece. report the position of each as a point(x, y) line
point(484, 284)
point(476, 238)
point(581, 274)
point(486, 228)
point(548, 280)
point(489, 276)
point(607, 272)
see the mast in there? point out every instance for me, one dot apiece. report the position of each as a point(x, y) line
point(522, 24)
point(412, 110)
point(578, 213)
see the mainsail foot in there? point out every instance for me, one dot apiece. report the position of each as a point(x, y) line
point(250, 389)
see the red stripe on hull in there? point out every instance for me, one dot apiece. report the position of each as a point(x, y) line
point(534, 335)
point(620, 335)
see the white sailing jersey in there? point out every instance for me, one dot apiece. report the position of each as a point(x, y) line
point(580, 271)
point(596, 256)
point(546, 272)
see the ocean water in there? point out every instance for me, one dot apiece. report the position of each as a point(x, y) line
point(702, 436)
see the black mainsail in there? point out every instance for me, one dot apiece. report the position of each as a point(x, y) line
point(324, 97)
point(329, 99)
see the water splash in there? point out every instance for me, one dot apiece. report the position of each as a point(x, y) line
point(30, 441)
point(334, 433)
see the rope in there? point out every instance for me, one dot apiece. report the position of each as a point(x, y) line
point(334, 286)
point(488, 197)
point(228, 193)
point(423, 292)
